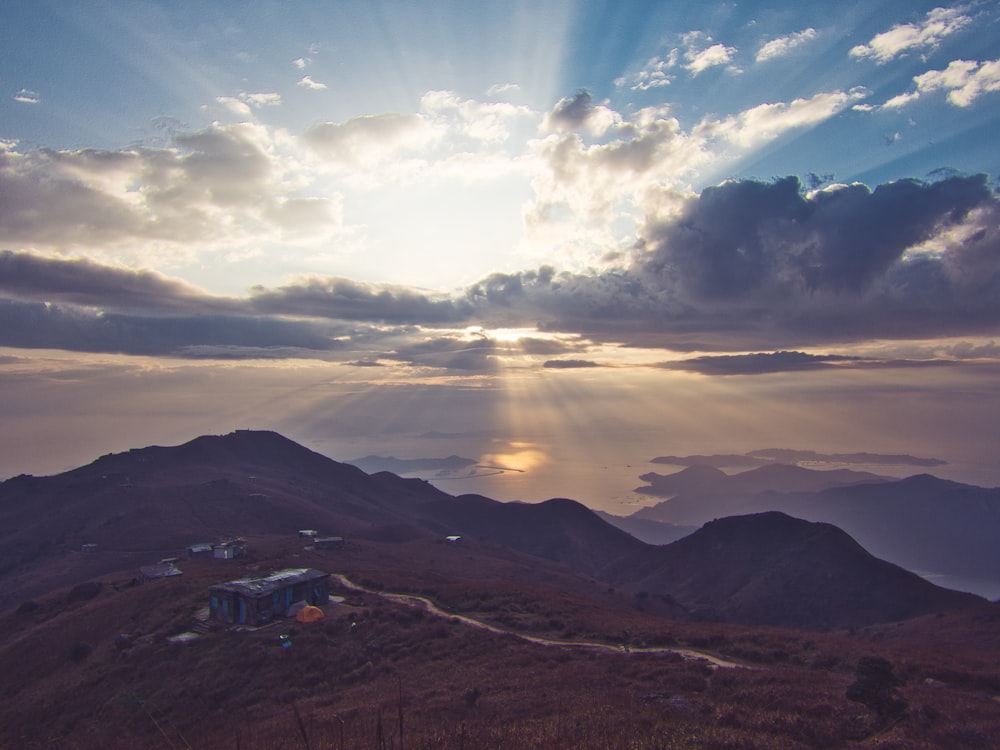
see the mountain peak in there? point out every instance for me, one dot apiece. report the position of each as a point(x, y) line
point(773, 569)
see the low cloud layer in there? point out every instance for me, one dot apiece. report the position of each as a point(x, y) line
point(758, 262)
point(37, 325)
point(743, 265)
point(754, 364)
point(85, 282)
point(569, 364)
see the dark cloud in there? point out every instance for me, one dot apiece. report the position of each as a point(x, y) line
point(569, 364)
point(750, 238)
point(449, 352)
point(745, 265)
point(36, 325)
point(85, 282)
point(763, 264)
point(549, 347)
point(967, 350)
point(572, 113)
point(755, 364)
point(343, 299)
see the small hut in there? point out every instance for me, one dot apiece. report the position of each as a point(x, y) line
point(230, 549)
point(157, 571)
point(328, 542)
point(259, 600)
point(201, 549)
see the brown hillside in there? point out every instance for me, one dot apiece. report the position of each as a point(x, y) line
point(770, 568)
point(377, 673)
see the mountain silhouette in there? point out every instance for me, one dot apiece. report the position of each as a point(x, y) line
point(922, 522)
point(145, 504)
point(772, 569)
point(702, 480)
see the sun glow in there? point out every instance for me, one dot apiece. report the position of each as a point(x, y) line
point(511, 335)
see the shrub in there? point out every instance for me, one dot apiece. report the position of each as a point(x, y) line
point(875, 686)
point(83, 591)
point(80, 651)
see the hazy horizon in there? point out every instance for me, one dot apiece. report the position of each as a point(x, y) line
point(558, 237)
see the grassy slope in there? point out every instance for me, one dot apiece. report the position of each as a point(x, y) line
point(337, 683)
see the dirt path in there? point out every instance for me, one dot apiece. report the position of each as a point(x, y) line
point(427, 605)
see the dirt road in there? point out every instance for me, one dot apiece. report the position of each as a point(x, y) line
point(427, 605)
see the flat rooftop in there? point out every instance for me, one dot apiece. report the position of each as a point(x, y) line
point(260, 585)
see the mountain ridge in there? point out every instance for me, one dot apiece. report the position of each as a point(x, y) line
point(770, 568)
point(147, 502)
point(921, 522)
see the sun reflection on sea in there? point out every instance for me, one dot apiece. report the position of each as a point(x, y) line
point(516, 456)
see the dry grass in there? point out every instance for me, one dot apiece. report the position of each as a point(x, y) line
point(403, 678)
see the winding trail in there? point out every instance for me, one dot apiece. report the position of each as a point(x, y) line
point(412, 600)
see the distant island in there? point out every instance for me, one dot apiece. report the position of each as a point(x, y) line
point(373, 464)
point(791, 455)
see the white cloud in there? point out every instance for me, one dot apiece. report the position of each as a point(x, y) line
point(784, 44)
point(698, 53)
point(901, 100)
point(307, 82)
point(487, 122)
point(643, 172)
point(371, 139)
point(450, 138)
point(964, 80)
point(503, 89)
point(654, 73)
point(243, 104)
point(766, 122)
point(261, 99)
point(216, 188)
point(300, 63)
point(234, 105)
point(306, 216)
point(926, 35)
point(27, 96)
point(701, 60)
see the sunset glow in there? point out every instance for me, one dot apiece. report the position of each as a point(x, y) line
point(557, 238)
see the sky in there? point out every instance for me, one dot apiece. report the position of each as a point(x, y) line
point(558, 238)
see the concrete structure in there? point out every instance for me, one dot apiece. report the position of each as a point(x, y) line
point(155, 572)
point(230, 549)
point(260, 600)
point(328, 542)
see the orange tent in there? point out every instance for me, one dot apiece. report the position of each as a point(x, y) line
point(309, 614)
